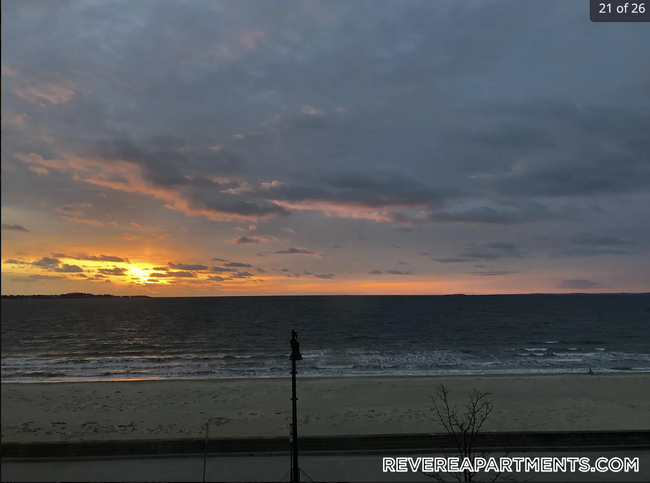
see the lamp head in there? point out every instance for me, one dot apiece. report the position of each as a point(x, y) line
point(295, 347)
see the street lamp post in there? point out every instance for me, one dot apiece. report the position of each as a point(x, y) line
point(295, 356)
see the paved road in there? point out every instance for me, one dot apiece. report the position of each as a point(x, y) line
point(271, 468)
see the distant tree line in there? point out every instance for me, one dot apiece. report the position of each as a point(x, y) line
point(73, 295)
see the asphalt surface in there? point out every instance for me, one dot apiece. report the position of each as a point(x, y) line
point(274, 468)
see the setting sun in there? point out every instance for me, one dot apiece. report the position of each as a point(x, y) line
point(139, 273)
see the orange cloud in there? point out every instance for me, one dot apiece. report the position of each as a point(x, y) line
point(70, 210)
point(37, 159)
point(7, 71)
point(83, 221)
point(127, 176)
point(12, 119)
point(39, 170)
point(344, 210)
point(52, 93)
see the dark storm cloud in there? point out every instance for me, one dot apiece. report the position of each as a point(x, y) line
point(374, 190)
point(70, 210)
point(510, 136)
point(232, 204)
point(6, 226)
point(295, 251)
point(46, 262)
point(452, 260)
point(223, 269)
point(238, 264)
point(252, 141)
point(163, 164)
point(578, 283)
point(13, 261)
point(324, 275)
point(182, 266)
point(179, 274)
point(175, 169)
point(399, 218)
point(493, 273)
point(172, 168)
point(605, 151)
point(585, 244)
point(503, 246)
point(394, 49)
point(389, 272)
point(242, 274)
point(494, 250)
point(507, 215)
point(245, 240)
point(102, 258)
point(586, 251)
point(121, 272)
point(600, 240)
point(69, 268)
point(490, 251)
point(93, 258)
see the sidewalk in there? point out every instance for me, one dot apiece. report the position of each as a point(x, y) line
point(274, 468)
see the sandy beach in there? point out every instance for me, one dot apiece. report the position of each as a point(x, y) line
point(326, 406)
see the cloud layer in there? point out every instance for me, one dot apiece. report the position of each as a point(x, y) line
point(499, 138)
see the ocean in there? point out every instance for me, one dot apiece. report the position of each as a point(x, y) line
point(239, 337)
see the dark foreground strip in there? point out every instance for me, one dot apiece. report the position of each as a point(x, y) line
point(368, 444)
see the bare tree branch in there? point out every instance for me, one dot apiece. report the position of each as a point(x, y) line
point(463, 427)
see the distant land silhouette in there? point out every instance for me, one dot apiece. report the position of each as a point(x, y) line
point(74, 295)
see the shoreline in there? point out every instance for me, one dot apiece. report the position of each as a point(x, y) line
point(327, 406)
point(46, 296)
point(598, 372)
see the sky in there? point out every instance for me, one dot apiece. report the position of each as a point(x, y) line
point(209, 148)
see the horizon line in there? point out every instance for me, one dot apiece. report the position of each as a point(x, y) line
point(327, 295)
